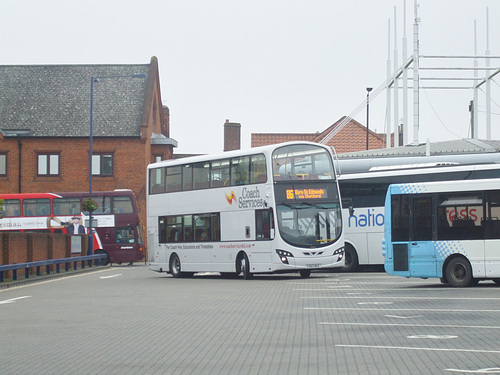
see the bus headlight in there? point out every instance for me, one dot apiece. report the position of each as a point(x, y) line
point(284, 255)
point(339, 253)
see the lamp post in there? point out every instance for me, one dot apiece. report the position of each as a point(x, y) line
point(92, 80)
point(368, 89)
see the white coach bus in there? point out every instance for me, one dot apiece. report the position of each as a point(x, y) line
point(364, 230)
point(265, 210)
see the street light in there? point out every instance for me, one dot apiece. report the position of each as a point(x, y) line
point(92, 80)
point(368, 89)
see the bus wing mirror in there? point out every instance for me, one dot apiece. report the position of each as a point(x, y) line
point(347, 203)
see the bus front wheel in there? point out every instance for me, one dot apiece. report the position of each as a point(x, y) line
point(351, 259)
point(459, 273)
point(305, 273)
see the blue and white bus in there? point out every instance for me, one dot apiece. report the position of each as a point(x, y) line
point(364, 230)
point(268, 209)
point(448, 230)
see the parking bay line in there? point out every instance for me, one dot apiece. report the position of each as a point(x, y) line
point(407, 325)
point(402, 298)
point(340, 286)
point(379, 309)
point(421, 349)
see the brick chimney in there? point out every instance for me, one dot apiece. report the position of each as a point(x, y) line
point(232, 131)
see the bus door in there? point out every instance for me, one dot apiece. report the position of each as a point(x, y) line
point(421, 250)
point(411, 229)
point(491, 223)
point(264, 233)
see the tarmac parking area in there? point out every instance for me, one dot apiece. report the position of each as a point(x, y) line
point(129, 320)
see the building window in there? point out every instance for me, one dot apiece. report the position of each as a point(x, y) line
point(48, 164)
point(102, 164)
point(3, 164)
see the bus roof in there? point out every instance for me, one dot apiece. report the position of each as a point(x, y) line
point(120, 192)
point(98, 193)
point(445, 186)
point(419, 171)
point(29, 195)
point(230, 154)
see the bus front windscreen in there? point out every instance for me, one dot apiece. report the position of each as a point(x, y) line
point(309, 225)
point(302, 162)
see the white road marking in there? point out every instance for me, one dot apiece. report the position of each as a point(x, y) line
point(374, 303)
point(56, 280)
point(405, 297)
point(419, 349)
point(408, 289)
point(12, 300)
point(111, 276)
point(432, 337)
point(374, 309)
point(493, 370)
point(403, 317)
point(408, 325)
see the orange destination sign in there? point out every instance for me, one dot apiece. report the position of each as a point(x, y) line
point(306, 193)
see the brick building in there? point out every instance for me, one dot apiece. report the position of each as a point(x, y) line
point(346, 135)
point(45, 128)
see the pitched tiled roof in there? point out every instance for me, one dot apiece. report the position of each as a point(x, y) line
point(345, 135)
point(54, 100)
point(263, 139)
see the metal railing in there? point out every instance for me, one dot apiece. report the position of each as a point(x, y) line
point(88, 260)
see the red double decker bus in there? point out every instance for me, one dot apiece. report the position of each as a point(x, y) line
point(115, 223)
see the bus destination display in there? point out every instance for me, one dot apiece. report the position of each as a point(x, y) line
point(306, 193)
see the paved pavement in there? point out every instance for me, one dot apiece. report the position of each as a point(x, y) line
point(129, 320)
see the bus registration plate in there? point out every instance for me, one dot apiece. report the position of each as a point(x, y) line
point(313, 265)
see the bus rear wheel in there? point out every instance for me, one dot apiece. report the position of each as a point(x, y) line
point(175, 266)
point(104, 262)
point(459, 273)
point(244, 266)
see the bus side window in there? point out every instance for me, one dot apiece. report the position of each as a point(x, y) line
point(400, 213)
point(201, 175)
point(258, 169)
point(11, 208)
point(122, 205)
point(240, 170)
point(422, 219)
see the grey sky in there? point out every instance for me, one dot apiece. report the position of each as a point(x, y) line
point(272, 65)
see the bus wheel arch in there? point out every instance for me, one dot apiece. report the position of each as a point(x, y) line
point(243, 265)
point(351, 258)
point(457, 272)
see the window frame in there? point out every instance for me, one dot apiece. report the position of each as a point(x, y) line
point(48, 164)
point(3, 164)
point(100, 155)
